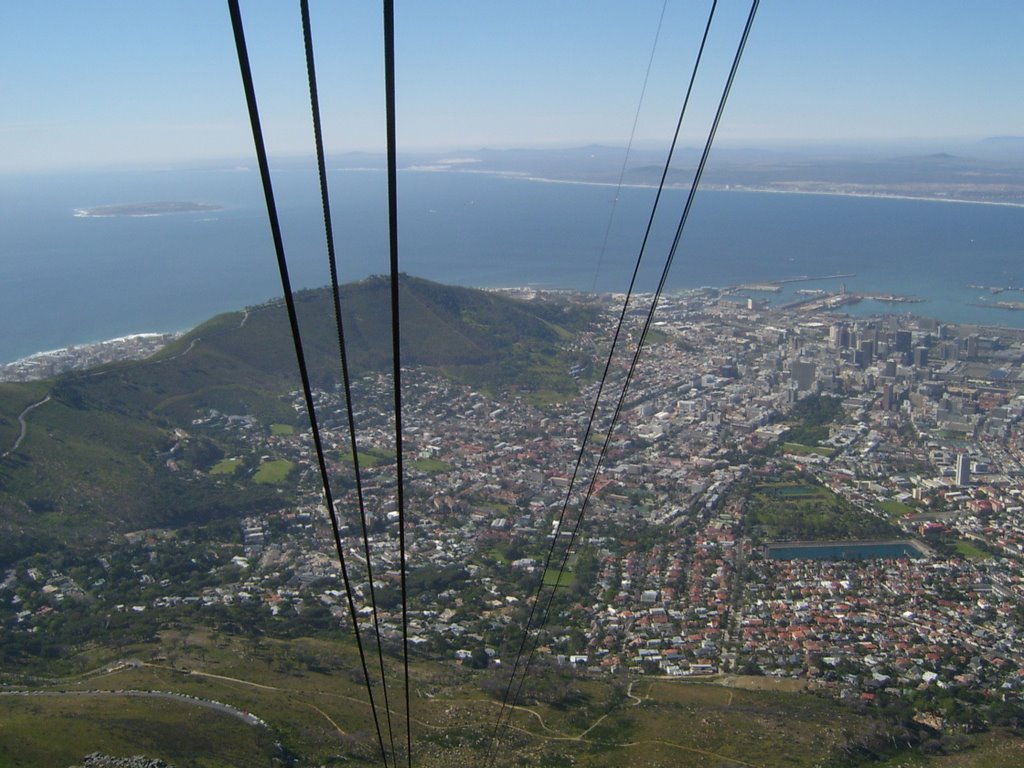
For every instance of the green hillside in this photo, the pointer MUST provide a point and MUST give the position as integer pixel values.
(313, 709)
(243, 360)
(96, 456)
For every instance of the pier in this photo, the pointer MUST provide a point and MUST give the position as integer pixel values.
(1013, 306)
(819, 303)
(808, 279)
(775, 286)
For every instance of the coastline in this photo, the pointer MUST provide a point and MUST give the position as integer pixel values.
(53, 362)
(140, 345)
(869, 195)
(461, 258)
(881, 195)
(137, 346)
(102, 342)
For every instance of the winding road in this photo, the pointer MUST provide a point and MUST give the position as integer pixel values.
(217, 706)
(22, 419)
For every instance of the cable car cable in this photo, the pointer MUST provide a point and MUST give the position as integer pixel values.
(629, 149)
(314, 103)
(664, 277)
(668, 263)
(396, 335)
(275, 228)
(508, 696)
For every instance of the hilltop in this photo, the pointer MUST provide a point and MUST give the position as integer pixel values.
(107, 453)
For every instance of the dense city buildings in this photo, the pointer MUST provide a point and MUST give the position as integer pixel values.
(884, 452)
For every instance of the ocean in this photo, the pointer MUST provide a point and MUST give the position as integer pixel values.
(67, 279)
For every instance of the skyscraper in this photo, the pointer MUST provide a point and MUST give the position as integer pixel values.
(963, 469)
(803, 374)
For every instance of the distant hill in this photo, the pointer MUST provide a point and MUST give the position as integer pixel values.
(93, 460)
(990, 170)
(234, 361)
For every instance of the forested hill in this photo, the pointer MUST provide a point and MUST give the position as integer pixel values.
(92, 461)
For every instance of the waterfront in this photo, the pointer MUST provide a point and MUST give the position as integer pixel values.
(71, 280)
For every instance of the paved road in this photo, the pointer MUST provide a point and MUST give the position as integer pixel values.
(216, 706)
(22, 419)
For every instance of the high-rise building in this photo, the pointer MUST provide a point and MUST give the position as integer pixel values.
(867, 347)
(972, 346)
(963, 469)
(887, 397)
(921, 357)
(803, 374)
(838, 336)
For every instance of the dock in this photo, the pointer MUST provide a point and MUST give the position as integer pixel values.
(775, 286)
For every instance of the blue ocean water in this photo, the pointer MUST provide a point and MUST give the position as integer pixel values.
(67, 279)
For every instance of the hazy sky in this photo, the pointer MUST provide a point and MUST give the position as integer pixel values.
(124, 82)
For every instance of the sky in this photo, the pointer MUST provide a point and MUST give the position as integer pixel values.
(123, 83)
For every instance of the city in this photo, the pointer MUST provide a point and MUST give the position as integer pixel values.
(744, 428)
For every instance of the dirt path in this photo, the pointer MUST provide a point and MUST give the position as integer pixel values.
(549, 735)
(197, 673)
(629, 692)
(327, 717)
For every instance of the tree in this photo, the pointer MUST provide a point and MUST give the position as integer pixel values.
(478, 658)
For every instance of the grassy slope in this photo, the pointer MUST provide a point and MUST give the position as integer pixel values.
(13, 399)
(61, 730)
(238, 363)
(309, 692)
(75, 473)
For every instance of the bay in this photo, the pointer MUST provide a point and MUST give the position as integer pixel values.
(67, 279)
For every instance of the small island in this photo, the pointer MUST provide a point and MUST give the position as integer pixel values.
(147, 209)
